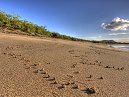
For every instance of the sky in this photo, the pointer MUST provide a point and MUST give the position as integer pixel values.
(86, 19)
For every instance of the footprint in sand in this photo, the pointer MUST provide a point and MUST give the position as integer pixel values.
(66, 83)
(70, 76)
(71, 51)
(120, 68)
(76, 72)
(4, 53)
(46, 76)
(33, 66)
(98, 62)
(12, 55)
(100, 78)
(89, 76)
(42, 71)
(52, 80)
(82, 62)
(35, 71)
(89, 90)
(60, 86)
(27, 67)
(76, 56)
(74, 86)
(71, 84)
(9, 48)
(74, 65)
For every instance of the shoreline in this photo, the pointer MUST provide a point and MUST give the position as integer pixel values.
(120, 47)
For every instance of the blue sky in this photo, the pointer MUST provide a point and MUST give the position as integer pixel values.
(87, 19)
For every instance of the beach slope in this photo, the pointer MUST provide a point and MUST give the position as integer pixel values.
(35, 67)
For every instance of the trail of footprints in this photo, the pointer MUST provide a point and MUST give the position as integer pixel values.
(85, 60)
(45, 75)
(51, 79)
(88, 62)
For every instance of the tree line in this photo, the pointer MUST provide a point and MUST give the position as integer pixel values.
(13, 22)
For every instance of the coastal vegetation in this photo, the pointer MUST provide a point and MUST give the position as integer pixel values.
(13, 22)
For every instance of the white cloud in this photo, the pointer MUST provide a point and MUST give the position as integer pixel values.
(116, 24)
(115, 34)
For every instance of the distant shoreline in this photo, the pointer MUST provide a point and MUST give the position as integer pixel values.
(120, 46)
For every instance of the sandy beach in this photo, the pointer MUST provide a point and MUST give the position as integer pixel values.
(35, 67)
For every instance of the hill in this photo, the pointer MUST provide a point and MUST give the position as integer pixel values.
(12, 22)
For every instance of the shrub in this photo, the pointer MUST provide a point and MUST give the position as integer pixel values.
(13, 22)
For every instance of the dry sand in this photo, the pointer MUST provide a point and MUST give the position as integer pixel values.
(34, 67)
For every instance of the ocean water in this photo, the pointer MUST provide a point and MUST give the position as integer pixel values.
(121, 46)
